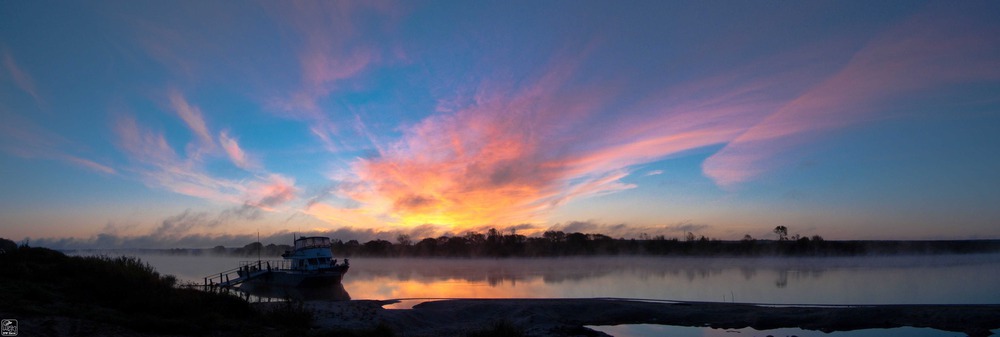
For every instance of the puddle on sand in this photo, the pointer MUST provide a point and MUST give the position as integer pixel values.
(647, 330)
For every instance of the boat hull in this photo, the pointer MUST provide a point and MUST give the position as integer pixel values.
(297, 278)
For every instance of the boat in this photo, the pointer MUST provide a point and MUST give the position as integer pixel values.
(309, 264)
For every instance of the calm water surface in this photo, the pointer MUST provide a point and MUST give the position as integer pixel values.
(647, 330)
(950, 279)
(960, 279)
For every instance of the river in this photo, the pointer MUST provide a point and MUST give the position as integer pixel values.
(925, 279)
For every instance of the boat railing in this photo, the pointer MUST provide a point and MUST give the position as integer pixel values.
(223, 278)
(313, 245)
(252, 269)
(266, 264)
(244, 271)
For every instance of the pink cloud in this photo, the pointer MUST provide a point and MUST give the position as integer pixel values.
(143, 145)
(344, 217)
(926, 52)
(272, 192)
(21, 78)
(167, 46)
(195, 120)
(512, 155)
(88, 164)
(320, 68)
(236, 154)
(159, 166)
(332, 52)
(23, 138)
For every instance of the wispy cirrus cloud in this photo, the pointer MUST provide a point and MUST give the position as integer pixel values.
(23, 138)
(86, 163)
(512, 155)
(236, 154)
(332, 51)
(195, 120)
(183, 231)
(158, 165)
(21, 78)
(927, 51)
(271, 192)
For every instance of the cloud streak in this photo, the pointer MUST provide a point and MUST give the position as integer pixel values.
(928, 51)
(25, 139)
(21, 78)
(235, 152)
(512, 155)
(195, 120)
(158, 165)
(332, 51)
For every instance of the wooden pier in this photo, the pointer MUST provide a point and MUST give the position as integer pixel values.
(245, 272)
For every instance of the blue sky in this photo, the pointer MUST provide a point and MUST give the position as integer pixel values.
(197, 122)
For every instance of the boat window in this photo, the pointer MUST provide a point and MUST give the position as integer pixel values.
(313, 261)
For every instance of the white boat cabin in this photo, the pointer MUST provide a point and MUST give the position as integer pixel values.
(311, 253)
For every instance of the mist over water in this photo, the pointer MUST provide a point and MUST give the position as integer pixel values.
(930, 279)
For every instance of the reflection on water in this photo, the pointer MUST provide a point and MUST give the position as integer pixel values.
(334, 292)
(642, 330)
(858, 280)
(868, 280)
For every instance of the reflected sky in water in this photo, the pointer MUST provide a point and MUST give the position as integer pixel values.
(858, 280)
(643, 330)
(870, 280)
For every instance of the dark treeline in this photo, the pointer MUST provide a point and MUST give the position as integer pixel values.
(494, 243)
(557, 244)
(249, 250)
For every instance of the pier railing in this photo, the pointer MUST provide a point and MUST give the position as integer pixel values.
(251, 270)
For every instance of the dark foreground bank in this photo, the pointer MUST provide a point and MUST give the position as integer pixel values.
(51, 294)
(567, 317)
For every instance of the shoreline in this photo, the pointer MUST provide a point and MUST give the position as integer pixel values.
(568, 317)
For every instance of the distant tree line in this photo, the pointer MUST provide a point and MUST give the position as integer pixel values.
(495, 243)
(249, 250)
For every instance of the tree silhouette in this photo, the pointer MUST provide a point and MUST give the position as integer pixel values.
(782, 232)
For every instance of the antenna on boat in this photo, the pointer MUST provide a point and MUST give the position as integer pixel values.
(259, 246)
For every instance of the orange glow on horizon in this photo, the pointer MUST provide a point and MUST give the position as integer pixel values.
(447, 288)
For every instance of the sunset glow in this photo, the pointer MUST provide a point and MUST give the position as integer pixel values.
(183, 123)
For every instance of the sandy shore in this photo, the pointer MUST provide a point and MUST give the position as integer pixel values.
(567, 317)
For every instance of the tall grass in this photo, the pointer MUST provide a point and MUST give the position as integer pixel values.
(119, 290)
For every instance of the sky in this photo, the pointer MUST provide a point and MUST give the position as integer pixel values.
(196, 123)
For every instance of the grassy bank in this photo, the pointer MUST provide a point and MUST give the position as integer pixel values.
(55, 294)
(40, 283)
